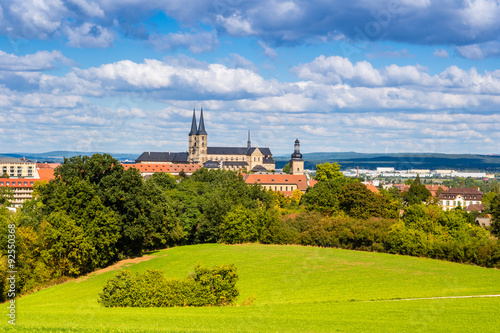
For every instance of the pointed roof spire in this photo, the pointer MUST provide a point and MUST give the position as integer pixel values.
(201, 128)
(249, 143)
(296, 153)
(193, 123)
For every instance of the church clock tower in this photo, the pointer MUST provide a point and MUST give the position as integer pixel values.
(297, 163)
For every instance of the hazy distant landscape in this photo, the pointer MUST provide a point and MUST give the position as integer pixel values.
(400, 161)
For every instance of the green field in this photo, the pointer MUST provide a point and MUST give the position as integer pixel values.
(296, 289)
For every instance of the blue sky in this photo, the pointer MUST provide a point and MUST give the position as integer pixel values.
(365, 76)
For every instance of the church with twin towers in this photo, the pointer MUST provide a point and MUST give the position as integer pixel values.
(255, 159)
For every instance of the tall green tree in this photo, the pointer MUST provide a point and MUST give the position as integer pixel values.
(417, 193)
(286, 168)
(495, 215)
(6, 196)
(328, 171)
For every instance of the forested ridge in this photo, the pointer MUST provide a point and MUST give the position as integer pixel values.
(95, 213)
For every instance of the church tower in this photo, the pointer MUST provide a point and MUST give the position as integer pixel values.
(202, 140)
(197, 140)
(297, 163)
(192, 140)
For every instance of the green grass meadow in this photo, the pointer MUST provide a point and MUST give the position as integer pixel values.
(296, 289)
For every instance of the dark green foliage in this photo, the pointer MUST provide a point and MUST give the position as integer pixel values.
(240, 225)
(286, 168)
(324, 196)
(417, 193)
(495, 214)
(164, 180)
(6, 196)
(214, 286)
(358, 201)
(93, 214)
(349, 196)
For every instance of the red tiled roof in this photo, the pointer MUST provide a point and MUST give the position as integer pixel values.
(475, 208)
(162, 167)
(466, 193)
(312, 182)
(282, 179)
(47, 165)
(403, 187)
(46, 174)
(372, 188)
(18, 182)
(434, 188)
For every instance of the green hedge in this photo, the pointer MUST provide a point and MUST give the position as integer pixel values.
(204, 287)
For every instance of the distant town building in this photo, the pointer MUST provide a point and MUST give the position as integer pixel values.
(148, 169)
(468, 174)
(372, 188)
(17, 167)
(283, 183)
(22, 188)
(444, 172)
(256, 159)
(475, 208)
(484, 221)
(460, 197)
(434, 189)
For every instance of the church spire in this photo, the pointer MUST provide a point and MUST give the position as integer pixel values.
(249, 143)
(193, 124)
(201, 129)
(296, 152)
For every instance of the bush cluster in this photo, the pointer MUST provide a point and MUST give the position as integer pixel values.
(423, 231)
(214, 286)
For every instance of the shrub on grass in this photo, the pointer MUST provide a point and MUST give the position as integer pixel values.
(214, 286)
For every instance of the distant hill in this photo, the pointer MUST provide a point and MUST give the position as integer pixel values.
(58, 156)
(400, 161)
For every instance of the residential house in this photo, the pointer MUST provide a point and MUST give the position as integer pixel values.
(460, 197)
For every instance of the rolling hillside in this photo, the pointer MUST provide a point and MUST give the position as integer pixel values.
(296, 289)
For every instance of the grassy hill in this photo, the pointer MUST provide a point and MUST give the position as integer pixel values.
(296, 289)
